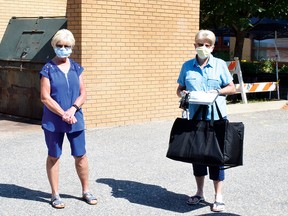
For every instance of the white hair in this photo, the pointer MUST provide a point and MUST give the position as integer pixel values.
(63, 35)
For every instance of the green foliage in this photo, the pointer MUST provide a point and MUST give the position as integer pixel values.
(237, 14)
(283, 69)
(224, 55)
(249, 68)
(267, 66)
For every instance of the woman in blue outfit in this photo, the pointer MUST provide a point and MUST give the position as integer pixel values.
(63, 94)
(206, 73)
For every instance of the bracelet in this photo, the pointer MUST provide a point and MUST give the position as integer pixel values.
(77, 108)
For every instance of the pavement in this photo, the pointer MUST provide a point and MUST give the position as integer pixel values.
(130, 174)
(12, 124)
(256, 106)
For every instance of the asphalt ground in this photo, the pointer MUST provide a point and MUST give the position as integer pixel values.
(130, 174)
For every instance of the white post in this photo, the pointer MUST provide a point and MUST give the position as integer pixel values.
(277, 60)
(240, 78)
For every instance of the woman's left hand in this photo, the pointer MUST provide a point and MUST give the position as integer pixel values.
(69, 117)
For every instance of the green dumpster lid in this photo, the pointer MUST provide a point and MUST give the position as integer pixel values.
(29, 39)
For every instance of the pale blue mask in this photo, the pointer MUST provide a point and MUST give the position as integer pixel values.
(63, 52)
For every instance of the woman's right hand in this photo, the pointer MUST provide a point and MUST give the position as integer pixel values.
(183, 93)
(69, 117)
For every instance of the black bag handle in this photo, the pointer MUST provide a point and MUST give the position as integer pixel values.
(204, 110)
(218, 111)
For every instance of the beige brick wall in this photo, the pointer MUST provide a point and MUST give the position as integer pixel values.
(29, 8)
(132, 51)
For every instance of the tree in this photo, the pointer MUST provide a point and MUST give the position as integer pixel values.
(236, 16)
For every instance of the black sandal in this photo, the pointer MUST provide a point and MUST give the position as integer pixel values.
(194, 200)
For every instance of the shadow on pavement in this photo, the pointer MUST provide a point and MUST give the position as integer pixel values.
(150, 195)
(18, 192)
(219, 214)
(19, 119)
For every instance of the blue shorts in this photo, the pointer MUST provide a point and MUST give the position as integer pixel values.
(215, 172)
(54, 142)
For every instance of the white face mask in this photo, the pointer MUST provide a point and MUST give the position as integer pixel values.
(63, 52)
(203, 52)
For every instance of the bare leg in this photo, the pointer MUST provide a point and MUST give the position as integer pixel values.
(52, 168)
(81, 164)
(200, 185)
(199, 196)
(218, 190)
(218, 205)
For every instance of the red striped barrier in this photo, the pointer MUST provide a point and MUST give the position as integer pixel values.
(257, 87)
(243, 88)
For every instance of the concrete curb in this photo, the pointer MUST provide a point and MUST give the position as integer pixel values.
(255, 107)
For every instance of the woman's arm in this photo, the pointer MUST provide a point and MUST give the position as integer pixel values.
(69, 114)
(181, 89)
(228, 90)
(82, 97)
(46, 99)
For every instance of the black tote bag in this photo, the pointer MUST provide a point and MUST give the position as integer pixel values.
(207, 142)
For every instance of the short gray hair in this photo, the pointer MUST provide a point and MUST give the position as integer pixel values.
(207, 35)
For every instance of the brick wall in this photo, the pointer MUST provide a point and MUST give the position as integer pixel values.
(29, 8)
(132, 51)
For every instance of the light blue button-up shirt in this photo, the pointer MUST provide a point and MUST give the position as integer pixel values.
(214, 75)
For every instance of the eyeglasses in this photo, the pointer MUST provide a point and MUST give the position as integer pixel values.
(205, 44)
(60, 46)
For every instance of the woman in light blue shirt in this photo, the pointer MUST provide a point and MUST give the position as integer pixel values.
(206, 73)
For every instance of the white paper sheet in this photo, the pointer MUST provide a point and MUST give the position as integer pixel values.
(201, 97)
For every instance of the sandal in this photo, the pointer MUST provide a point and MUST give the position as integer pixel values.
(218, 207)
(57, 202)
(195, 200)
(89, 198)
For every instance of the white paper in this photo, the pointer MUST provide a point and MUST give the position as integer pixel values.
(201, 97)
